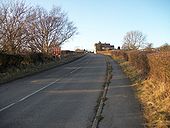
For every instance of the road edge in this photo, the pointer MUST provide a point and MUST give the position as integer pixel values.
(98, 117)
(26, 74)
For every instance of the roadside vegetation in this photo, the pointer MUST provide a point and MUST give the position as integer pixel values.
(150, 71)
(28, 38)
(17, 66)
(25, 28)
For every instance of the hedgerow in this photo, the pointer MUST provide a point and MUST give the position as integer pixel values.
(152, 69)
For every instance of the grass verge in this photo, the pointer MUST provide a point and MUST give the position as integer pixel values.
(153, 95)
(17, 73)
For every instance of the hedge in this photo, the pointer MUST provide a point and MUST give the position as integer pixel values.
(139, 60)
(9, 60)
(160, 66)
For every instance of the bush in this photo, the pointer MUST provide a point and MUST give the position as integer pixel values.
(17, 61)
(120, 54)
(154, 92)
(160, 66)
(165, 47)
(36, 58)
(8, 60)
(139, 59)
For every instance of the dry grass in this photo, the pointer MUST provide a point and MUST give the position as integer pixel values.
(15, 73)
(155, 98)
(131, 71)
(108, 52)
(140, 60)
(119, 54)
(154, 91)
(160, 66)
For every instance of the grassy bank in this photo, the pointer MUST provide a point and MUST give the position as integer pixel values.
(150, 73)
(16, 72)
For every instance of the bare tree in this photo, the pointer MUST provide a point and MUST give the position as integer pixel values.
(33, 29)
(49, 29)
(149, 46)
(12, 24)
(134, 40)
(65, 29)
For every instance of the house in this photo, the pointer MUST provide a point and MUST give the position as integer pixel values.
(103, 46)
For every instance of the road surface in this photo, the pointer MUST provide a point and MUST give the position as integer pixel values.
(121, 109)
(63, 97)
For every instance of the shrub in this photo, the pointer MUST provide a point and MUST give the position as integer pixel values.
(160, 66)
(165, 47)
(154, 92)
(17, 61)
(120, 54)
(36, 58)
(7, 60)
(140, 61)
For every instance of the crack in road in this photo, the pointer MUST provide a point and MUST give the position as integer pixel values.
(98, 117)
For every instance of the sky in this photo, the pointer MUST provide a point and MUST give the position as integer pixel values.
(109, 20)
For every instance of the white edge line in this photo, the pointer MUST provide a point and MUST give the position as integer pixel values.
(24, 98)
(75, 70)
(7, 107)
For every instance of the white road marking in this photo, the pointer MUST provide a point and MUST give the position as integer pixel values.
(8, 106)
(26, 97)
(70, 67)
(75, 70)
(37, 91)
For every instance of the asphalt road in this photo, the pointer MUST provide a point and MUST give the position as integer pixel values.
(63, 97)
(122, 108)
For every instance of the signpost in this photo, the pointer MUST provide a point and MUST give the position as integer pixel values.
(57, 52)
